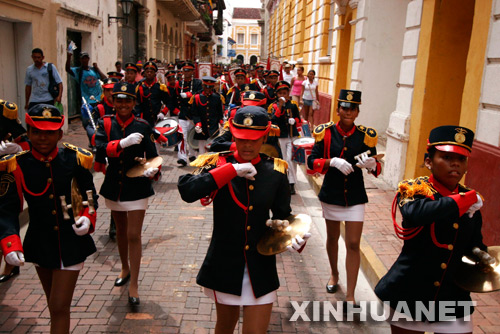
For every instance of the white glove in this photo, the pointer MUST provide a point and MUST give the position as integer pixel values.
(364, 161)
(291, 121)
(246, 170)
(198, 129)
(298, 242)
(277, 224)
(81, 226)
(7, 147)
(15, 258)
(483, 256)
(160, 116)
(150, 172)
(132, 139)
(184, 95)
(474, 207)
(342, 165)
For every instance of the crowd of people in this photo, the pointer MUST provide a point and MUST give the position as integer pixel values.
(245, 130)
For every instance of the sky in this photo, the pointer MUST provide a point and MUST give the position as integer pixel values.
(245, 3)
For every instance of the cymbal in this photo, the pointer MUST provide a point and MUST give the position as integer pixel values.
(139, 169)
(476, 278)
(275, 242)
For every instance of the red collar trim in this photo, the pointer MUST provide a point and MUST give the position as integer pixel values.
(149, 86)
(107, 102)
(126, 123)
(440, 188)
(254, 161)
(40, 157)
(343, 133)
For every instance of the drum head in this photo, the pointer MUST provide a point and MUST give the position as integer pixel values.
(190, 139)
(302, 141)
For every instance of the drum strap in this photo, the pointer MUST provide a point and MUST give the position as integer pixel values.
(327, 143)
(100, 107)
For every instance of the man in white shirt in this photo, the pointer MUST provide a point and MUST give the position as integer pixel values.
(287, 74)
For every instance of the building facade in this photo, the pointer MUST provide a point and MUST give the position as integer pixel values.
(419, 64)
(247, 34)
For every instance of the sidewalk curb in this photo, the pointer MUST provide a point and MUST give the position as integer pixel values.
(371, 264)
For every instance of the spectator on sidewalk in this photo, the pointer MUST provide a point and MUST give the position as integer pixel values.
(55, 244)
(245, 187)
(119, 69)
(296, 84)
(340, 152)
(441, 224)
(37, 81)
(120, 138)
(287, 74)
(309, 95)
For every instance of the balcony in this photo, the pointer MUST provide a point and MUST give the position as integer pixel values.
(187, 9)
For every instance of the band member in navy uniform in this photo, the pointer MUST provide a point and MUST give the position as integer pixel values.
(244, 186)
(270, 89)
(285, 114)
(233, 96)
(207, 111)
(343, 195)
(105, 107)
(150, 95)
(188, 87)
(441, 224)
(131, 70)
(57, 245)
(172, 106)
(122, 138)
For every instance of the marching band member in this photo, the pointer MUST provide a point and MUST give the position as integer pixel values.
(188, 87)
(131, 70)
(234, 94)
(285, 114)
(343, 195)
(441, 224)
(150, 95)
(58, 246)
(207, 112)
(244, 186)
(270, 89)
(122, 138)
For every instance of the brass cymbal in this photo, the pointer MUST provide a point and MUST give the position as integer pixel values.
(139, 169)
(275, 242)
(477, 278)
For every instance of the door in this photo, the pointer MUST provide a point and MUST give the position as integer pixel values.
(129, 34)
(73, 90)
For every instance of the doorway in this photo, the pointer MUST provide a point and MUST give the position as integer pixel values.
(73, 90)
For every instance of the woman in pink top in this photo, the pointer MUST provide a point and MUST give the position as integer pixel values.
(296, 84)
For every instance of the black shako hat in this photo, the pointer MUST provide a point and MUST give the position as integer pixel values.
(44, 117)
(124, 90)
(451, 138)
(250, 122)
(349, 98)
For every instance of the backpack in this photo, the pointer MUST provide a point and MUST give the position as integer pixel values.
(53, 85)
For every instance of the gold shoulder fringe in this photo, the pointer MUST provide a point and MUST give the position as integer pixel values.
(84, 157)
(191, 99)
(280, 165)
(275, 131)
(230, 90)
(205, 159)
(163, 87)
(223, 99)
(10, 110)
(270, 109)
(371, 136)
(295, 102)
(319, 131)
(411, 187)
(8, 163)
(226, 125)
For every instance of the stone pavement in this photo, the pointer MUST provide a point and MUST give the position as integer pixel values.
(175, 238)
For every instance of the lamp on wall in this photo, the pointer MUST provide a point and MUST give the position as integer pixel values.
(126, 8)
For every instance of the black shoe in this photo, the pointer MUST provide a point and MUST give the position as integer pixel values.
(181, 162)
(349, 306)
(112, 229)
(134, 301)
(5, 278)
(122, 281)
(176, 148)
(192, 159)
(292, 188)
(332, 288)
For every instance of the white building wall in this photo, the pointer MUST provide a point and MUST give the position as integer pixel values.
(398, 130)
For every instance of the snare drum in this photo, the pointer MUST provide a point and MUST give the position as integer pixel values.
(169, 128)
(301, 149)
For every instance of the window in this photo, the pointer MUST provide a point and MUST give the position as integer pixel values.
(241, 38)
(254, 38)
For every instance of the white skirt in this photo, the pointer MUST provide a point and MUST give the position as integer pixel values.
(247, 297)
(75, 267)
(354, 213)
(457, 326)
(140, 204)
